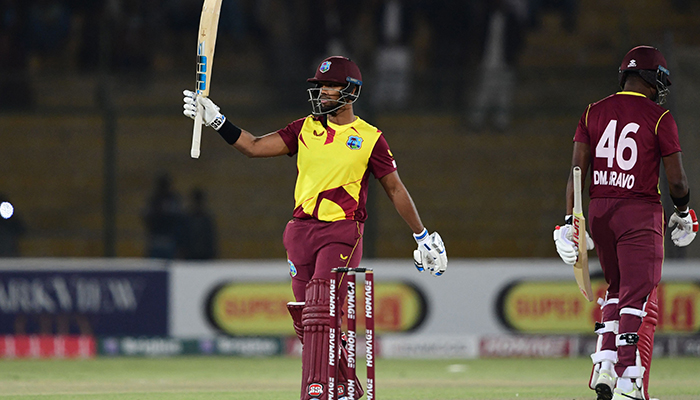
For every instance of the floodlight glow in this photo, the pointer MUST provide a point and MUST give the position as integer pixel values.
(6, 210)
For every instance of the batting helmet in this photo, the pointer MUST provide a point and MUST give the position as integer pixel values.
(339, 70)
(650, 64)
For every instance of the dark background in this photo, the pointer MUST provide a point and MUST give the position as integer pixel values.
(90, 114)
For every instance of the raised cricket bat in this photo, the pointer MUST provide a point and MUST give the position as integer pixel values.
(208, 25)
(583, 277)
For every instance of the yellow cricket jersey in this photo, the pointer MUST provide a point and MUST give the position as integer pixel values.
(333, 166)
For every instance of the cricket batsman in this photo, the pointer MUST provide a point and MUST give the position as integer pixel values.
(622, 139)
(337, 152)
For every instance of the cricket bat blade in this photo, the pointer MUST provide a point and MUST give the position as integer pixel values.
(581, 272)
(206, 42)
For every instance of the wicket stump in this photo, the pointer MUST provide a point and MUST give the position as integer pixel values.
(335, 328)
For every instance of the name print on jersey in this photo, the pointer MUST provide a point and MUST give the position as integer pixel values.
(619, 179)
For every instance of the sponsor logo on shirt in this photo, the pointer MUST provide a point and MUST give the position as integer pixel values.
(354, 143)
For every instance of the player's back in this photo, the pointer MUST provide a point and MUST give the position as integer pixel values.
(628, 134)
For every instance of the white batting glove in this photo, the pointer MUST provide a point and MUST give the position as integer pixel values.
(563, 239)
(565, 247)
(685, 227)
(193, 103)
(430, 254)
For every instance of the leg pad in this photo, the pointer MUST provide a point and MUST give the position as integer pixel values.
(295, 310)
(314, 356)
(603, 376)
(645, 346)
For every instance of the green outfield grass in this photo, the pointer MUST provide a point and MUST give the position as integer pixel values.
(205, 378)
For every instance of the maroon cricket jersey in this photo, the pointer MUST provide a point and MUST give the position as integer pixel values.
(628, 134)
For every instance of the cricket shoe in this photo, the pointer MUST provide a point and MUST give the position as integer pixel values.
(634, 394)
(604, 385)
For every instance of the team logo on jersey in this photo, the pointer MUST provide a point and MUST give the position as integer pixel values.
(325, 66)
(354, 143)
(632, 64)
(292, 268)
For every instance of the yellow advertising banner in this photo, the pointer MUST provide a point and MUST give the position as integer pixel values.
(252, 309)
(556, 307)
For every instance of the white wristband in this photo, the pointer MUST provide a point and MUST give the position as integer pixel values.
(421, 236)
(218, 122)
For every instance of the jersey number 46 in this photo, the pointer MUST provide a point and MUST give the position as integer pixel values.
(606, 146)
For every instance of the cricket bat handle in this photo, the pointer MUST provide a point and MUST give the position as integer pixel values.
(196, 135)
(578, 202)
